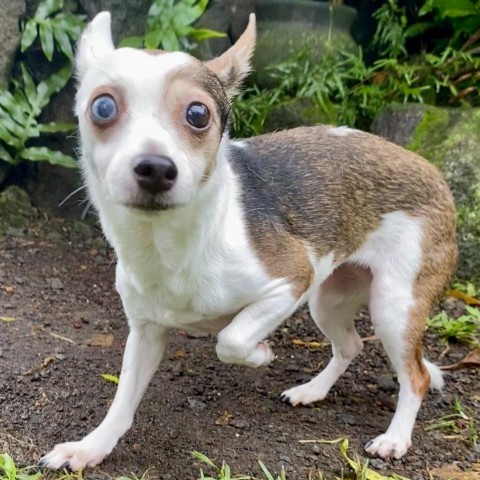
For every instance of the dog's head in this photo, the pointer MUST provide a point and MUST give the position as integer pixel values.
(151, 122)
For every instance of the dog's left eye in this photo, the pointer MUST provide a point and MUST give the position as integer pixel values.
(103, 109)
(198, 115)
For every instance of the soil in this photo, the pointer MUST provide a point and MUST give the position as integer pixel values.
(56, 282)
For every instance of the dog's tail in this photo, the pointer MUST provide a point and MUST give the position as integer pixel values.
(436, 375)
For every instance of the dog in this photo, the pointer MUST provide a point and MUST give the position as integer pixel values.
(230, 237)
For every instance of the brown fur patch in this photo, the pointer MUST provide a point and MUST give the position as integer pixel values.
(154, 51)
(439, 258)
(189, 85)
(308, 186)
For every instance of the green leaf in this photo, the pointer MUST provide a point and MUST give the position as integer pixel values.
(132, 42)
(44, 154)
(204, 33)
(154, 38)
(28, 84)
(63, 41)
(8, 138)
(110, 378)
(5, 155)
(29, 34)
(54, 127)
(11, 106)
(22, 132)
(72, 24)
(8, 466)
(204, 459)
(46, 88)
(170, 41)
(417, 29)
(46, 39)
(454, 8)
(47, 7)
(184, 15)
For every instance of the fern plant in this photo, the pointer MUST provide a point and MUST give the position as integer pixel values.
(22, 105)
(54, 27)
(169, 26)
(19, 119)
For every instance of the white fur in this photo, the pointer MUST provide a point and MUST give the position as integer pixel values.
(343, 131)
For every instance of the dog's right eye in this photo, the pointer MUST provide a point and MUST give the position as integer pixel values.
(103, 109)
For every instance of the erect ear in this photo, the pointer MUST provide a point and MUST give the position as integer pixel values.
(95, 42)
(234, 65)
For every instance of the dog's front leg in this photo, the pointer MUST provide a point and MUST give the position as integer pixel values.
(242, 341)
(143, 352)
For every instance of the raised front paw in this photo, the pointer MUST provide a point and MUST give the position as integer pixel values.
(261, 355)
(388, 446)
(73, 456)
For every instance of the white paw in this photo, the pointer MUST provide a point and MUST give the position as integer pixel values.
(261, 355)
(303, 394)
(388, 446)
(73, 456)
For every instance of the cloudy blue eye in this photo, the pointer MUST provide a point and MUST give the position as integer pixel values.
(103, 109)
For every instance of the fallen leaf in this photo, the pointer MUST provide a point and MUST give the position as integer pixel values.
(301, 343)
(463, 296)
(100, 340)
(472, 360)
(452, 472)
(10, 289)
(7, 319)
(55, 335)
(40, 366)
(110, 378)
(223, 419)
(325, 442)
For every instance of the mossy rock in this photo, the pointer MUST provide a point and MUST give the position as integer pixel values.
(295, 113)
(16, 210)
(450, 139)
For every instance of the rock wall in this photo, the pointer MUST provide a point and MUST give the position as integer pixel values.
(10, 12)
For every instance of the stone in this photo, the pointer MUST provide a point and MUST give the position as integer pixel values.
(9, 35)
(294, 113)
(450, 139)
(128, 16)
(16, 209)
(226, 16)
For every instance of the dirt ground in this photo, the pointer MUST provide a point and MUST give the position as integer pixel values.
(56, 282)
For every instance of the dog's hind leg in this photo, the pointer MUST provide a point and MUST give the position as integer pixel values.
(143, 352)
(405, 284)
(333, 308)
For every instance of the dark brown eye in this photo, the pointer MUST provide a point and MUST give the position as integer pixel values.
(198, 115)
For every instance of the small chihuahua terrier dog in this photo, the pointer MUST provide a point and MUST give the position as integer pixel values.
(230, 237)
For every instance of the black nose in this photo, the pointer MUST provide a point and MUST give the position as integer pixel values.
(155, 173)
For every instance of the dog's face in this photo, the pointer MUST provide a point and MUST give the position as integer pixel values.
(151, 122)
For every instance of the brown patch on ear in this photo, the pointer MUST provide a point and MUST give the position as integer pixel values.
(234, 65)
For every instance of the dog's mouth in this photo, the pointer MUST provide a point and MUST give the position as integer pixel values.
(150, 204)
